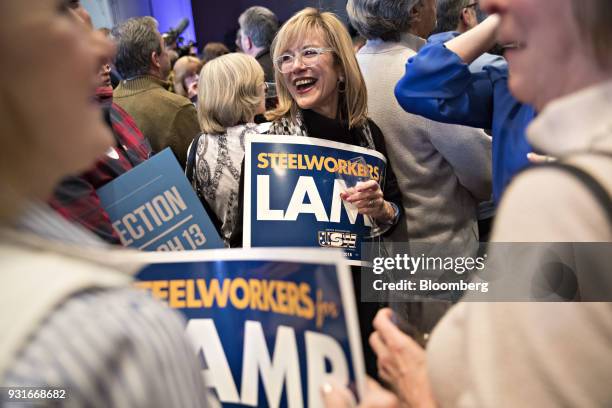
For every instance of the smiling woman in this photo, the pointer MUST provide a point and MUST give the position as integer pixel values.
(334, 67)
(322, 94)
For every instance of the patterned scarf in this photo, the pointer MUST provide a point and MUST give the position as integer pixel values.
(285, 126)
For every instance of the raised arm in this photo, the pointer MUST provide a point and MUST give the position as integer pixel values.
(438, 83)
(475, 42)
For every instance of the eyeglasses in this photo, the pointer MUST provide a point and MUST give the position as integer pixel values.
(309, 57)
(474, 4)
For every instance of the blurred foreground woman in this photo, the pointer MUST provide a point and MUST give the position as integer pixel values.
(534, 354)
(67, 316)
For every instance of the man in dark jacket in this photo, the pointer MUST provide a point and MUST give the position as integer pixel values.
(258, 26)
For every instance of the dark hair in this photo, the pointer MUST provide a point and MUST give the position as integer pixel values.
(449, 14)
(213, 50)
(259, 24)
(137, 39)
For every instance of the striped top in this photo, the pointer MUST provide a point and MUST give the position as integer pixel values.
(106, 347)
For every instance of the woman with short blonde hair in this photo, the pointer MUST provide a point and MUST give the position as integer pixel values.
(231, 91)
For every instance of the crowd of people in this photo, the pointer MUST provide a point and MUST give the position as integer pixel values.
(524, 139)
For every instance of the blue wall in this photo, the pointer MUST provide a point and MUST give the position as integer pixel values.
(100, 11)
(170, 13)
(124, 9)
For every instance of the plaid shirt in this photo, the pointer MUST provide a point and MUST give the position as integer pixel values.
(75, 197)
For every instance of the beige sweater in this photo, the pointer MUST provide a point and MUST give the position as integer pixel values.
(540, 354)
(443, 171)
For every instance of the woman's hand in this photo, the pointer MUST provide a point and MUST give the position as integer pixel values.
(401, 362)
(369, 200)
(374, 396)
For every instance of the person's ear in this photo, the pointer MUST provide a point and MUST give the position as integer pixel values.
(415, 13)
(155, 60)
(247, 44)
(468, 18)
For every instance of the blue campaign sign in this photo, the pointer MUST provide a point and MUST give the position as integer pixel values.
(269, 326)
(292, 191)
(154, 208)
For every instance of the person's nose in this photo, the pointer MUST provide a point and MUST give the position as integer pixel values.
(298, 64)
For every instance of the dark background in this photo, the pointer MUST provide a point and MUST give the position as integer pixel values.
(212, 20)
(218, 20)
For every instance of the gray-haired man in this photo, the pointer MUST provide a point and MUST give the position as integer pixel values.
(166, 119)
(258, 26)
(458, 15)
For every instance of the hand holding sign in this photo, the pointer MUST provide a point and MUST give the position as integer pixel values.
(402, 363)
(365, 194)
(368, 198)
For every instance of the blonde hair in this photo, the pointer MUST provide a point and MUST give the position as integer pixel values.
(352, 102)
(183, 67)
(229, 92)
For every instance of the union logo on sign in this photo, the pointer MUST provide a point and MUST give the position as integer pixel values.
(334, 239)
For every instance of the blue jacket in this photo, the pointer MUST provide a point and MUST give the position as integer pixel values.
(440, 86)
